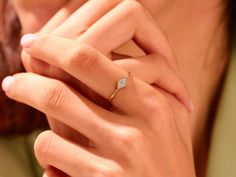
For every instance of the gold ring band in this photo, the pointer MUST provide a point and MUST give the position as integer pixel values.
(121, 84)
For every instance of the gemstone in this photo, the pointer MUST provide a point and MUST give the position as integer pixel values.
(121, 83)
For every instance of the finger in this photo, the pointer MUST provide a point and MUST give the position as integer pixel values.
(90, 67)
(67, 132)
(153, 70)
(67, 25)
(62, 15)
(159, 45)
(42, 68)
(75, 159)
(73, 24)
(129, 20)
(63, 25)
(81, 20)
(57, 100)
(32, 64)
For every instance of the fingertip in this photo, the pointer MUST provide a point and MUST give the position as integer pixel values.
(7, 82)
(27, 40)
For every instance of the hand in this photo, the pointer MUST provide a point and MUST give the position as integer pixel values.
(160, 112)
(73, 20)
(129, 141)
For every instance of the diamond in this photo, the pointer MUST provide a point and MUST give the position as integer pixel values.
(121, 83)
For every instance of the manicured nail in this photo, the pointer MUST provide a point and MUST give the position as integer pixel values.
(6, 83)
(27, 40)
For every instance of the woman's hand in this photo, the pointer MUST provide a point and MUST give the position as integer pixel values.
(143, 124)
(73, 20)
(144, 135)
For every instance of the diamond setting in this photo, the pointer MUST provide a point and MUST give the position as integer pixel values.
(122, 83)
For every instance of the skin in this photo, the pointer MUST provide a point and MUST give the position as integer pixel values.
(193, 64)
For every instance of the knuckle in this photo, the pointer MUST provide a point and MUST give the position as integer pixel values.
(157, 111)
(82, 57)
(54, 96)
(44, 38)
(128, 138)
(43, 144)
(132, 7)
(107, 171)
(155, 103)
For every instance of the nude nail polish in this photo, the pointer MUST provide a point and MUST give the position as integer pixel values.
(7, 82)
(27, 40)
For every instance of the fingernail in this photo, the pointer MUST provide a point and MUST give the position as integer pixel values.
(27, 40)
(6, 83)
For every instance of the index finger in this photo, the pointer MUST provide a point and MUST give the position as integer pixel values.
(61, 15)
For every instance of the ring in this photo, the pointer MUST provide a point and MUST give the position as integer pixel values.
(121, 84)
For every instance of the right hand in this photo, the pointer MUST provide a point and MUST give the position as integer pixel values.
(73, 20)
(146, 123)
